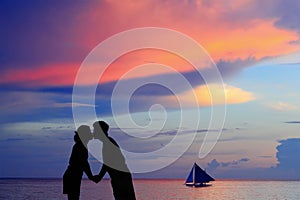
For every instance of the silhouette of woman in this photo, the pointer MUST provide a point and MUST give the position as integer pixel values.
(78, 163)
(114, 163)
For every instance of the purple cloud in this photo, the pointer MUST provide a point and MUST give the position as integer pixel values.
(288, 14)
(214, 164)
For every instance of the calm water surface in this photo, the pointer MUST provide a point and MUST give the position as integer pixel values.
(14, 189)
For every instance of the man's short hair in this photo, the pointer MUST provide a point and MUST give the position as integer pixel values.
(103, 125)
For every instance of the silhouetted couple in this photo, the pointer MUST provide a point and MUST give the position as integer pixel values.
(113, 162)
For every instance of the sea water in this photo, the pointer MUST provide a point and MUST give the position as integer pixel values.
(14, 189)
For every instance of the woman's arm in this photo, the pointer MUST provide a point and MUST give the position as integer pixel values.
(101, 173)
(87, 170)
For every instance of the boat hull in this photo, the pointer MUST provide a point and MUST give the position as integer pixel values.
(198, 185)
(202, 185)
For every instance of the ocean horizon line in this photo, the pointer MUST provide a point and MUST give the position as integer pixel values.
(150, 179)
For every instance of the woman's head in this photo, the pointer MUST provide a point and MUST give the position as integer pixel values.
(100, 129)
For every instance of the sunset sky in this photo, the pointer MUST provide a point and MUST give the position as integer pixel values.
(254, 44)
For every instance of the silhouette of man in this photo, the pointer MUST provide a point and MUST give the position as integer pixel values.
(114, 164)
(78, 163)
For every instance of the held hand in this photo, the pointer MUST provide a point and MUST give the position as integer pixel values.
(95, 179)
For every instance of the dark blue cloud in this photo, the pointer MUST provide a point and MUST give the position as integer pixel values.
(292, 122)
(36, 115)
(27, 106)
(34, 33)
(213, 165)
(263, 156)
(288, 154)
(244, 160)
(231, 68)
(15, 139)
(23, 87)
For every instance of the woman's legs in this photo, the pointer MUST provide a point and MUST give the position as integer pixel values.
(73, 197)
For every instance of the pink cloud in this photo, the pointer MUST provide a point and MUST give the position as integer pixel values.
(227, 30)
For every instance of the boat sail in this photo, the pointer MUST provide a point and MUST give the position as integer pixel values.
(198, 177)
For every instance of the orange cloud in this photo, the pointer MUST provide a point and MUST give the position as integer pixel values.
(261, 39)
(212, 94)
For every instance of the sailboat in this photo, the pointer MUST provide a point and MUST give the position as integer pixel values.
(198, 177)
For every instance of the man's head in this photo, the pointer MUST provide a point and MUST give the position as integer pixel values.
(100, 129)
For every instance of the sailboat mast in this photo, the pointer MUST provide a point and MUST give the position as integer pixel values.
(194, 174)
